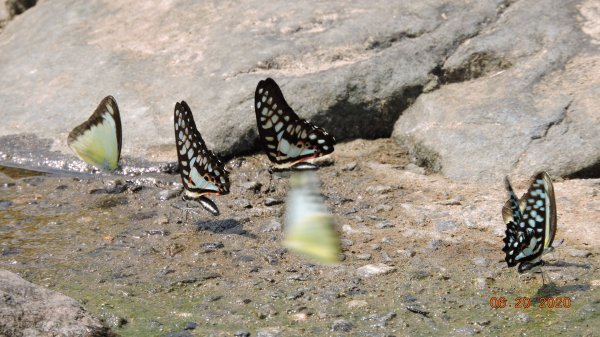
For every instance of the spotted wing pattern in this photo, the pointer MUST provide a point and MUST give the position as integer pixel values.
(201, 171)
(530, 223)
(97, 141)
(286, 137)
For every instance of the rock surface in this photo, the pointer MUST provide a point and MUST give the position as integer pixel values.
(30, 310)
(520, 96)
(475, 90)
(352, 69)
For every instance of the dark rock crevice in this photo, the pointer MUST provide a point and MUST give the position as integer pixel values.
(373, 119)
(384, 42)
(12, 9)
(16, 7)
(479, 63)
(590, 172)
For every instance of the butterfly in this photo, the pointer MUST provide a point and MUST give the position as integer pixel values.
(530, 223)
(97, 141)
(309, 227)
(202, 172)
(285, 137)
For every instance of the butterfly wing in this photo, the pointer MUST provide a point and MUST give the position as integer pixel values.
(531, 224)
(544, 190)
(515, 238)
(285, 137)
(309, 227)
(98, 140)
(201, 171)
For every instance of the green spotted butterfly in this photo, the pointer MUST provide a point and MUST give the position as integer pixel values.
(202, 173)
(285, 137)
(530, 223)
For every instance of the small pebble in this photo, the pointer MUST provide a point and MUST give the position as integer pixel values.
(379, 189)
(523, 317)
(374, 270)
(434, 244)
(272, 201)
(295, 295)
(365, 256)
(155, 325)
(347, 229)
(406, 252)
(269, 332)
(162, 220)
(190, 326)
(211, 246)
(244, 203)
(341, 325)
(164, 271)
(446, 226)
(5, 204)
(384, 224)
(414, 169)
(455, 201)
(241, 333)
(483, 323)
(168, 194)
(387, 240)
(386, 257)
(253, 186)
(466, 331)
(272, 226)
(350, 166)
(480, 261)
(160, 232)
(112, 320)
(382, 320)
(579, 253)
(383, 208)
(357, 304)
(346, 242)
(213, 298)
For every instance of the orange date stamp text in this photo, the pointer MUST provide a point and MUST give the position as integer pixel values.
(526, 302)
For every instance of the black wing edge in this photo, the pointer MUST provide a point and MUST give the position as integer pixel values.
(96, 118)
(270, 85)
(224, 188)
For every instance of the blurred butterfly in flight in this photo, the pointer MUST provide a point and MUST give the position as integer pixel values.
(287, 139)
(309, 227)
(202, 172)
(530, 223)
(98, 140)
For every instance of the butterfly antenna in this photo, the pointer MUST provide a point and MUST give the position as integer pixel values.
(185, 211)
(543, 278)
(270, 180)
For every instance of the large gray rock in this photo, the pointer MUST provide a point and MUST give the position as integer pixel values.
(521, 96)
(30, 310)
(351, 67)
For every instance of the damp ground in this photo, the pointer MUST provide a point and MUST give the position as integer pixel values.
(124, 248)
